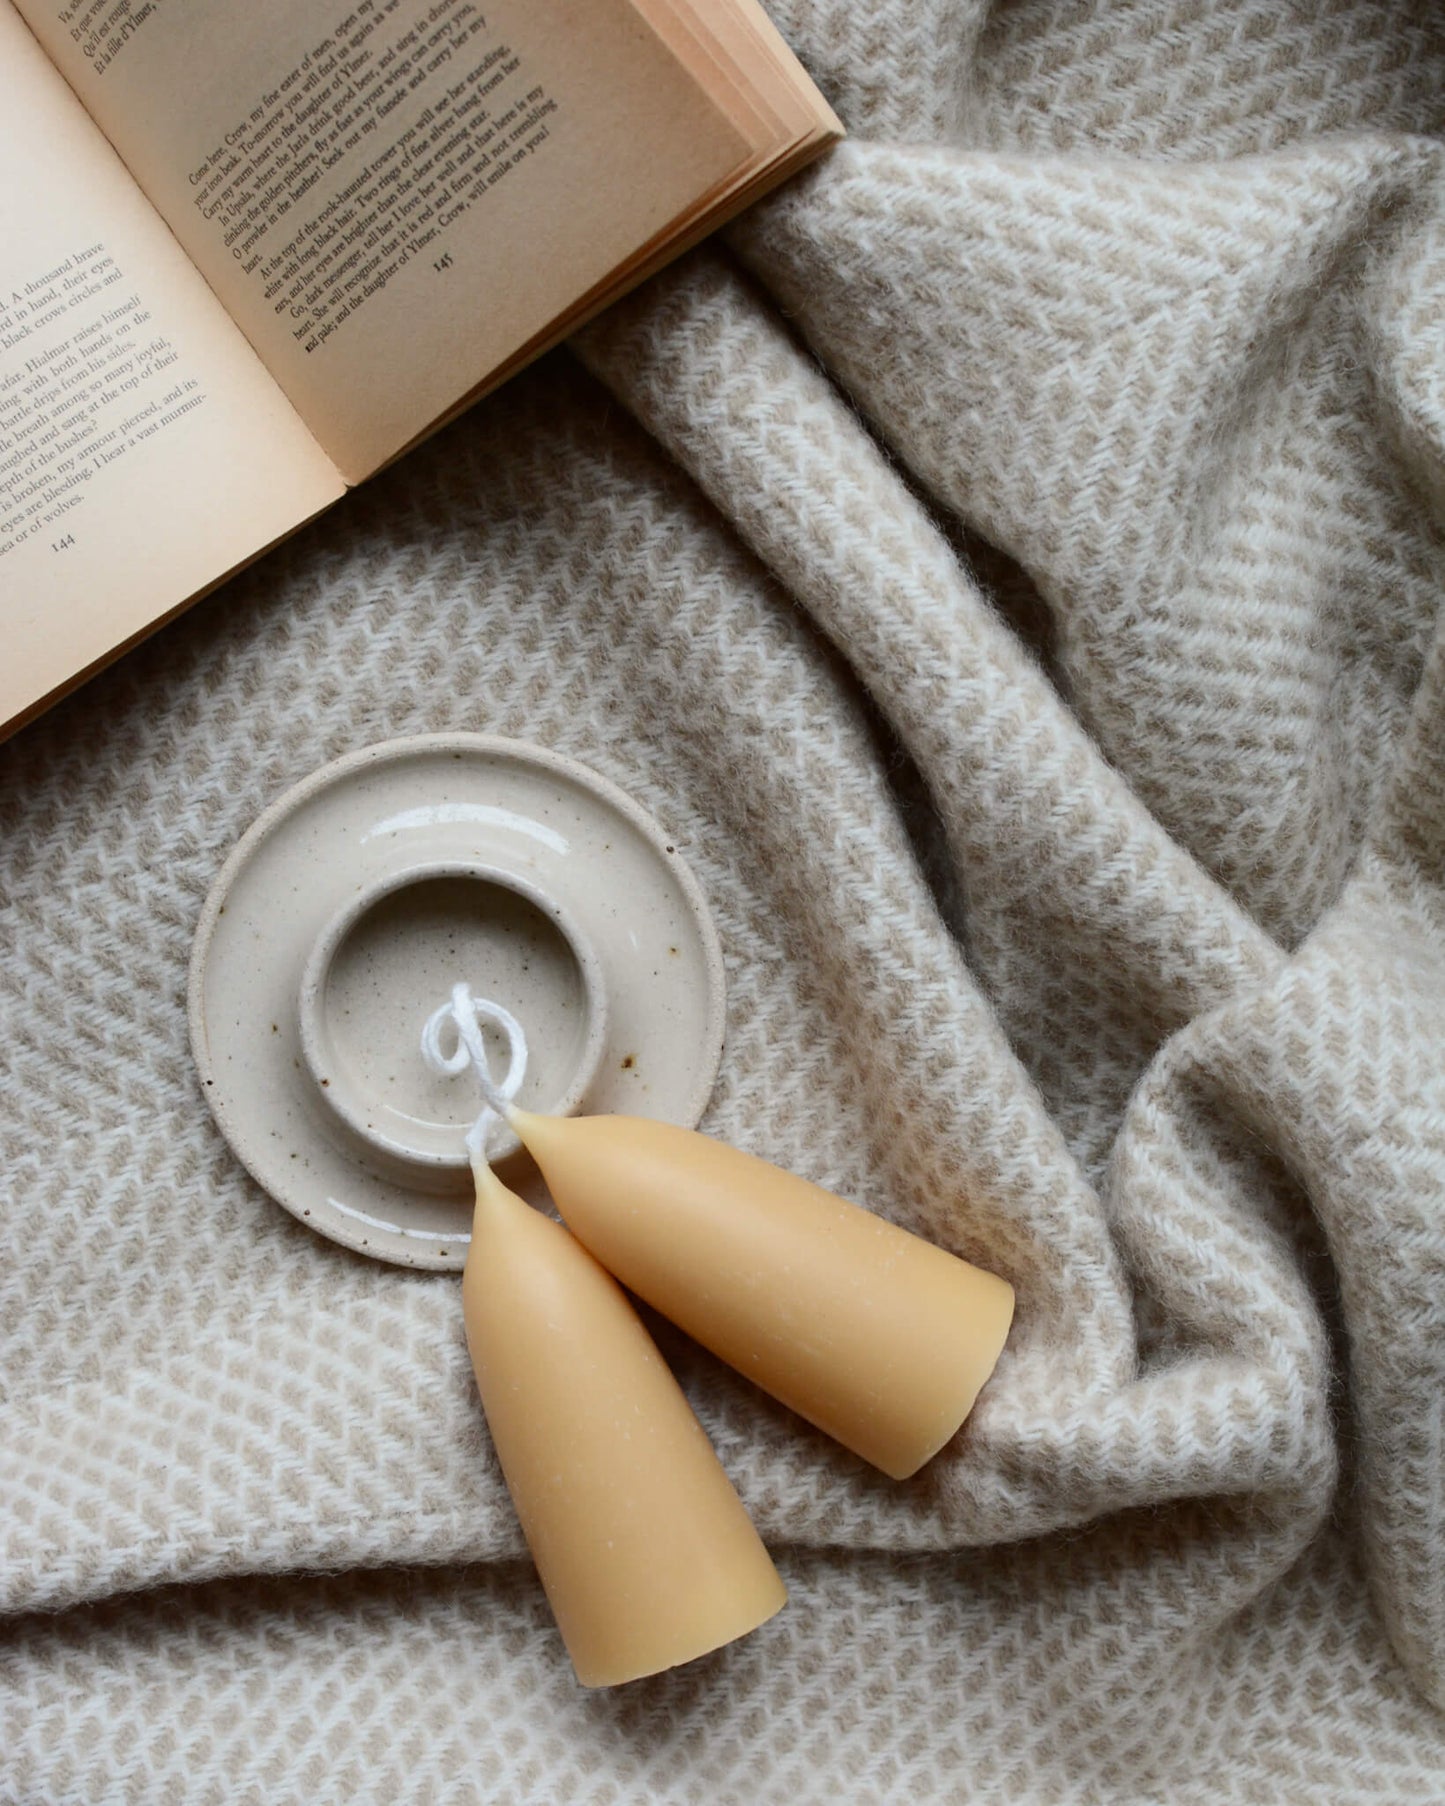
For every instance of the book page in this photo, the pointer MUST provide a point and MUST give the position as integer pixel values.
(144, 451)
(392, 197)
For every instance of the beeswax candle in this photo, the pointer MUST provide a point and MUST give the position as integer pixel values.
(876, 1336)
(645, 1551)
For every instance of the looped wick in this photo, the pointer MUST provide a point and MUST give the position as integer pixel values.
(465, 1014)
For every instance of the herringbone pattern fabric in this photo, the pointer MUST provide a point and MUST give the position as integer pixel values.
(1011, 562)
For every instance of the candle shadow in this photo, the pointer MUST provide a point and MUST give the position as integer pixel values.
(730, 1403)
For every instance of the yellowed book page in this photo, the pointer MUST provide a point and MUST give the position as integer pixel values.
(144, 451)
(392, 196)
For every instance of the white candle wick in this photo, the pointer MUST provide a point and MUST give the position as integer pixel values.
(465, 1013)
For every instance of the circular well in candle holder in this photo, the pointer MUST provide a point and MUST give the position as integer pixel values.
(384, 962)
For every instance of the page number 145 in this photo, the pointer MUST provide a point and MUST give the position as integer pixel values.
(444, 262)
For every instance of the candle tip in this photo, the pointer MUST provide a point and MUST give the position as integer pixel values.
(487, 1183)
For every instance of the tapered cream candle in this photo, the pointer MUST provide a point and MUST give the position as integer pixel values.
(645, 1551)
(874, 1335)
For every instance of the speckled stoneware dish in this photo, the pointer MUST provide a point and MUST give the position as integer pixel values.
(344, 916)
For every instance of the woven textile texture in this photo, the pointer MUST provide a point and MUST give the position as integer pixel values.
(1011, 562)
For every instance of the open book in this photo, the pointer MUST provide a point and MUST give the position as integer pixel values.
(251, 253)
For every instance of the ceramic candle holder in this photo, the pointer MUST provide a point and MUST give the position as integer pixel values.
(478, 850)
(382, 963)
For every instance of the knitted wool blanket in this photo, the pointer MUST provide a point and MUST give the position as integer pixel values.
(1011, 563)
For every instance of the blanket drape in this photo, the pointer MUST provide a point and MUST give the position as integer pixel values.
(1011, 562)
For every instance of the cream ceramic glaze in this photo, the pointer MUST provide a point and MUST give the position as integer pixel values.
(406, 938)
(421, 863)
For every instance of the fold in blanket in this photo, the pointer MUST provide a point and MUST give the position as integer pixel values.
(1011, 564)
